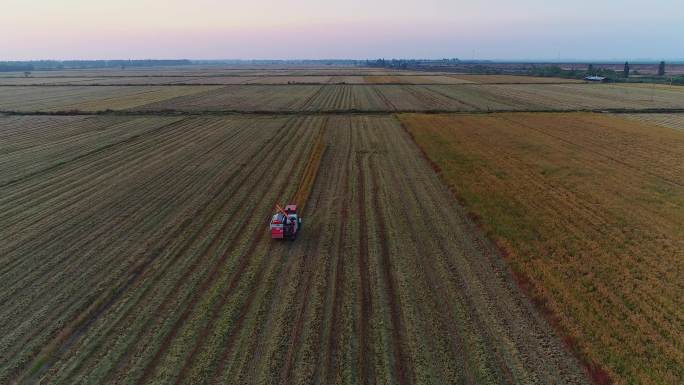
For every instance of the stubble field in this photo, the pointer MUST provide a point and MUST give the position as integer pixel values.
(135, 244)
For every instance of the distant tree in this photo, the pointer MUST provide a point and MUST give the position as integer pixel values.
(27, 74)
(626, 70)
(590, 69)
(661, 69)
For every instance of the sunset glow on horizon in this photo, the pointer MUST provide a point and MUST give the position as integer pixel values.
(356, 29)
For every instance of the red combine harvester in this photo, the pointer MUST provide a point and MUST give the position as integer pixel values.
(285, 224)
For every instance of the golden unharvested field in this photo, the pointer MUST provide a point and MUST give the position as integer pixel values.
(590, 210)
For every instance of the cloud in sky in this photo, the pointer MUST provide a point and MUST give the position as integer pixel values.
(492, 29)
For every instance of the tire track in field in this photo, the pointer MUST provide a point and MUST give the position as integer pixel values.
(457, 100)
(149, 368)
(303, 299)
(308, 101)
(339, 281)
(365, 350)
(404, 369)
(427, 96)
(243, 263)
(384, 99)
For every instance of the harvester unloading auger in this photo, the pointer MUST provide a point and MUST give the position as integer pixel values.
(285, 223)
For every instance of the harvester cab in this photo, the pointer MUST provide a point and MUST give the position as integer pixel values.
(285, 223)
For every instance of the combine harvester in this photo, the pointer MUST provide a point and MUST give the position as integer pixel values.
(285, 224)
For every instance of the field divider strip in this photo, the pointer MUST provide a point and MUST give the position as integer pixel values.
(179, 84)
(324, 112)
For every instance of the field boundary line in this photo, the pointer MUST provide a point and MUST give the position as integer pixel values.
(323, 112)
(299, 84)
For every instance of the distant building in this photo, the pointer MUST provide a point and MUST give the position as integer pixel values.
(595, 78)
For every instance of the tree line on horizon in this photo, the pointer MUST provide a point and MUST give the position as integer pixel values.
(50, 65)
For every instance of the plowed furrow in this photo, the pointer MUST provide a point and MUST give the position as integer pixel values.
(365, 349)
(334, 328)
(402, 367)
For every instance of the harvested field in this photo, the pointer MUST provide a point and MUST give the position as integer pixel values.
(240, 98)
(23, 81)
(419, 98)
(666, 120)
(97, 81)
(590, 210)
(579, 96)
(293, 80)
(281, 97)
(423, 79)
(222, 80)
(68, 98)
(512, 79)
(147, 260)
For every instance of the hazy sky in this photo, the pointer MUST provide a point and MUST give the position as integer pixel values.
(213, 29)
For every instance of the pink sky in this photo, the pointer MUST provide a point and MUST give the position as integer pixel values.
(213, 29)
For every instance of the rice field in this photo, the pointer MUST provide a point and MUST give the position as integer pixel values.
(456, 228)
